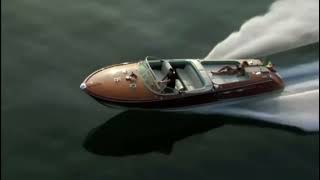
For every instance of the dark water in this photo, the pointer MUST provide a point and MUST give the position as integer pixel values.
(49, 47)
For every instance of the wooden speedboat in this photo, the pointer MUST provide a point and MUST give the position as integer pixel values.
(198, 82)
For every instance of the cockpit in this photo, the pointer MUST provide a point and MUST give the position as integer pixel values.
(189, 79)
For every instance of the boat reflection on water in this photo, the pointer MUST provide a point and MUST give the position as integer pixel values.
(139, 132)
(136, 132)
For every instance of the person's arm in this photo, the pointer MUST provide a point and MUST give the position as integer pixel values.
(165, 77)
(165, 81)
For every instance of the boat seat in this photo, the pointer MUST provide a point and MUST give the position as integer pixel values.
(189, 77)
(160, 74)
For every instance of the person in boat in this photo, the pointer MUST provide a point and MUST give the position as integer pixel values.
(170, 79)
(270, 66)
(228, 70)
(242, 70)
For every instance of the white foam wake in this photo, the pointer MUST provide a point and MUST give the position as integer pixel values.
(288, 24)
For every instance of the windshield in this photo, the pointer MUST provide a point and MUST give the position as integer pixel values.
(148, 76)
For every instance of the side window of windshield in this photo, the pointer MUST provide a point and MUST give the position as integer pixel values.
(147, 77)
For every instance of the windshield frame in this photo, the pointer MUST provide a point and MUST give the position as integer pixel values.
(151, 82)
(148, 76)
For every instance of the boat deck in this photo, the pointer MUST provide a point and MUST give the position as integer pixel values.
(224, 78)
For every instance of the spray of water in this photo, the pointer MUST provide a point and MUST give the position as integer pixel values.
(288, 24)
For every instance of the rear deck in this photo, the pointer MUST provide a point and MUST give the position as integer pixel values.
(215, 66)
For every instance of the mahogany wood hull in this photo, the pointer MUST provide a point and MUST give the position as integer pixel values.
(117, 94)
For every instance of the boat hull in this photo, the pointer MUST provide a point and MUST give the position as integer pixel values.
(195, 100)
(111, 87)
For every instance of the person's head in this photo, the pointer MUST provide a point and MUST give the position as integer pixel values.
(269, 65)
(244, 64)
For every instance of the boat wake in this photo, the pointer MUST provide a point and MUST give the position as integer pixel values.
(288, 24)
